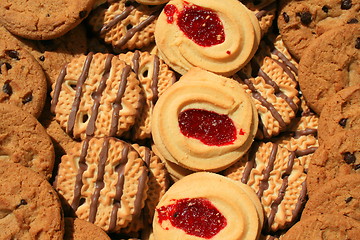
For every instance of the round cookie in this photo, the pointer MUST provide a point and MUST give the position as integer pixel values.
(30, 208)
(340, 113)
(207, 34)
(104, 180)
(43, 20)
(327, 226)
(22, 79)
(77, 229)
(207, 205)
(338, 196)
(96, 95)
(300, 22)
(330, 64)
(24, 140)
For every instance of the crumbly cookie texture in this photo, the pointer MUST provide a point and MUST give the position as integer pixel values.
(76, 228)
(204, 95)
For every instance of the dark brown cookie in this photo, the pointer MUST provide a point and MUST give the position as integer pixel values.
(29, 206)
(77, 229)
(24, 140)
(330, 64)
(301, 21)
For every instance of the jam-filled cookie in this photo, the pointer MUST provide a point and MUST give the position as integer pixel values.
(208, 206)
(96, 95)
(204, 121)
(217, 36)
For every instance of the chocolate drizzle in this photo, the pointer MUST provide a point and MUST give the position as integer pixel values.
(155, 79)
(308, 131)
(262, 12)
(57, 89)
(250, 164)
(264, 183)
(135, 60)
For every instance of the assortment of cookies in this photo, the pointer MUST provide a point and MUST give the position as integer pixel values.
(174, 119)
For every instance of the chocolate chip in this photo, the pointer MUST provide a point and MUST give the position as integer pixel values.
(346, 4)
(348, 199)
(342, 122)
(305, 17)
(357, 43)
(7, 66)
(349, 158)
(357, 167)
(286, 17)
(82, 14)
(27, 98)
(353, 20)
(42, 58)
(7, 88)
(13, 54)
(22, 202)
(325, 9)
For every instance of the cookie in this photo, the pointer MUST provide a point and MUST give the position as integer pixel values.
(271, 79)
(43, 20)
(155, 77)
(327, 226)
(300, 22)
(78, 229)
(227, 117)
(335, 157)
(340, 113)
(340, 195)
(206, 35)
(24, 140)
(22, 79)
(321, 75)
(125, 24)
(104, 180)
(278, 179)
(152, 2)
(207, 205)
(30, 208)
(96, 95)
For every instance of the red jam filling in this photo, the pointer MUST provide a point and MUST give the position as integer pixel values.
(195, 216)
(201, 25)
(209, 127)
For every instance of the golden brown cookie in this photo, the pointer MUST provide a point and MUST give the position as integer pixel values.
(104, 180)
(204, 121)
(77, 229)
(207, 205)
(321, 74)
(152, 2)
(29, 206)
(96, 95)
(24, 140)
(207, 34)
(43, 20)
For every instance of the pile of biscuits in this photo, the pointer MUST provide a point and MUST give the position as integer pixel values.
(173, 119)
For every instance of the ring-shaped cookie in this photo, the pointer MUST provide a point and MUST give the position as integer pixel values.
(240, 39)
(203, 90)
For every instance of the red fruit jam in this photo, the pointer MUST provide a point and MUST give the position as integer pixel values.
(199, 24)
(209, 127)
(195, 216)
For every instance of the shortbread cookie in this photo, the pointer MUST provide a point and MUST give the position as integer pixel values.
(207, 34)
(204, 121)
(30, 208)
(125, 24)
(335, 157)
(278, 179)
(338, 196)
(271, 79)
(207, 205)
(96, 95)
(24, 140)
(105, 182)
(327, 226)
(300, 22)
(341, 113)
(22, 79)
(43, 20)
(77, 229)
(321, 74)
(155, 77)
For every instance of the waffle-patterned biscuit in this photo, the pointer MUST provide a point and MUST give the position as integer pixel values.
(271, 79)
(105, 182)
(155, 77)
(96, 95)
(125, 24)
(278, 179)
(78, 229)
(204, 121)
(24, 140)
(29, 206)
(206, 34)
